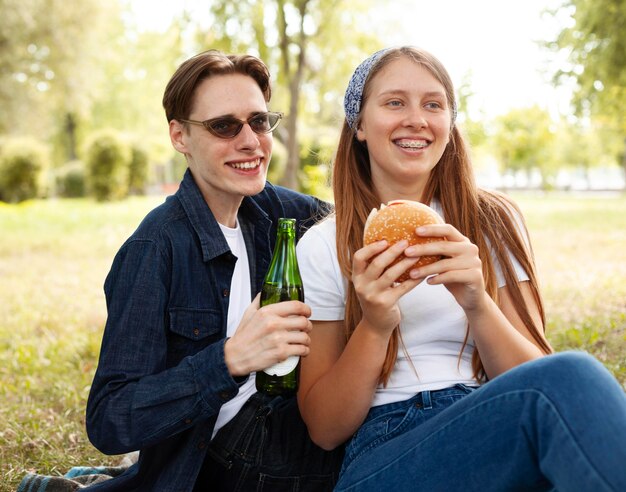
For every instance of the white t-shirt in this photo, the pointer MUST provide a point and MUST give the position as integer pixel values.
(433, 325)
(240, 299)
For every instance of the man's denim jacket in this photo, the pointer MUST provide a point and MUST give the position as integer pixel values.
(161, 378)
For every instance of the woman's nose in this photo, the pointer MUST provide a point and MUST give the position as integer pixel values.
(415, 117)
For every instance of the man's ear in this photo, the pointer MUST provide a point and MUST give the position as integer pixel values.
(178, 136)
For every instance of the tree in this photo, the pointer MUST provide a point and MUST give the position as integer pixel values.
(306, 45)
(596, 64)
(135, 69)
(524, 141)
(49, 63)
(18, 60)
(40, 39)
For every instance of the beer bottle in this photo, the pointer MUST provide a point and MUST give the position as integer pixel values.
(282, 283)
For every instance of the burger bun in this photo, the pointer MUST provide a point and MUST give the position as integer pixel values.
(397, 221)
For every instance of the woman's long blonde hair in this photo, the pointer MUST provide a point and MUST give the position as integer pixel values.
(486, 218)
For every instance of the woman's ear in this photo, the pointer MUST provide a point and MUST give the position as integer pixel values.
(360, 134)
(178, 136)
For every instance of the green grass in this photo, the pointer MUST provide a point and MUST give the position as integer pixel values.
(54, 256)
(580, 249)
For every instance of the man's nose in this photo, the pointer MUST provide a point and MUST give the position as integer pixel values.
(247, 138)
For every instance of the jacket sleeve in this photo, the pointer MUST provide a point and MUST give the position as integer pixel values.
(137, 397)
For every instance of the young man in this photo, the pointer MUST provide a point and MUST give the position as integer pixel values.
(185, 333)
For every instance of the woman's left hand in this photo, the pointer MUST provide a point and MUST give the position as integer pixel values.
(460, 268)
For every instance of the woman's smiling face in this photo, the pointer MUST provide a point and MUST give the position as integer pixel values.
(405, 123)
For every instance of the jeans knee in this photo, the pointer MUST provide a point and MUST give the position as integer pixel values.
(573, 358)
(573, 369)
(575, 361)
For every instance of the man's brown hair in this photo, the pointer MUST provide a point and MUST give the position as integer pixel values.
(180, 90)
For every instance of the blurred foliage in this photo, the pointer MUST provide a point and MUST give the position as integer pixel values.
(50, 65)
(107, 159)
(70, 180)
(595, 47)
(317, 147)
(23, 164)
(315, 180)
(62, 79)
(524, 141)
(138, 168)
(473, 128)
(278, 162)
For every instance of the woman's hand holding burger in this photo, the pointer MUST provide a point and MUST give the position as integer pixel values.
(380, 269)
(459, 269)
(375, 270)
(433, 250)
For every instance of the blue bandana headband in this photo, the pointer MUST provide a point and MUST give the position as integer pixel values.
(354, 93)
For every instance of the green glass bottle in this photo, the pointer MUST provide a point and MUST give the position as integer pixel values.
(282, 283)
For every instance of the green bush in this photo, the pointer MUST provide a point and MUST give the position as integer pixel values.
(138, 170)
(23, 163)
(70, 180)
(107, 160)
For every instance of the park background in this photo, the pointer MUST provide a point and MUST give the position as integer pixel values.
(84, 154)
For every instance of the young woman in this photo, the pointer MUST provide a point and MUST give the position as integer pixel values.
(444, 381)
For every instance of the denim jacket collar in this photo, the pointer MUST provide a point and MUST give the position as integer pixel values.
(204, 223)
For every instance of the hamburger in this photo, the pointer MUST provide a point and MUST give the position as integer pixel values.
(397, 221)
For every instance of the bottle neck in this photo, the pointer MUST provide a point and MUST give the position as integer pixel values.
(284, 264)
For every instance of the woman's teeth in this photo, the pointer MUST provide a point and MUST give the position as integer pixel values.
(412, 144)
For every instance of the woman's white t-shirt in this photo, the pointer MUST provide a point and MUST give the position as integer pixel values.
(433, 325)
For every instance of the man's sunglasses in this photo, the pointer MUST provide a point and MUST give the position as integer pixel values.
(229, 127)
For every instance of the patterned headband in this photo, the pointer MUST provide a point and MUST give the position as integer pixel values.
(354, 93)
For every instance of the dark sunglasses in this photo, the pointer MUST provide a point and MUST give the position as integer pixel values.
(229, 127)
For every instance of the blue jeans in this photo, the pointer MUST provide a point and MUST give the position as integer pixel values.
(266, 447)
(554, 423)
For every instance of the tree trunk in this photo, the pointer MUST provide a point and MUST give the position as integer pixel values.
(70, 134)
(290, 178)
(624, 163)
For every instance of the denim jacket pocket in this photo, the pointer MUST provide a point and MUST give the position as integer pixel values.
(191, 330)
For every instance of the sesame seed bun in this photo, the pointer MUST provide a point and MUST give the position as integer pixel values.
(397, 221)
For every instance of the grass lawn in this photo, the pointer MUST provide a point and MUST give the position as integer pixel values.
(580, 249)
(54, 256)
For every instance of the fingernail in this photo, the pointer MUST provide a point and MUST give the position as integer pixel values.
(420, 230)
